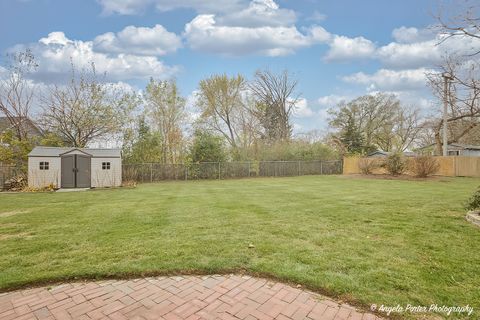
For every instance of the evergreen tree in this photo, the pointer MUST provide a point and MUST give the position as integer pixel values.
(207, 147)
(352, 138)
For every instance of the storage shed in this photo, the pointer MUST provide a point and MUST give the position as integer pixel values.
(74, 167)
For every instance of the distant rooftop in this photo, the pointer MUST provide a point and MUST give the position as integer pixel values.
(456, 146)
(56, 152)
(385, 153)
(5, 125)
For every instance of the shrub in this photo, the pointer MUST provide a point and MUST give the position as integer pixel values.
(129, 184)
(474, 202)
(395, 164)
(424, 165)
(48, 188)
(367, 165)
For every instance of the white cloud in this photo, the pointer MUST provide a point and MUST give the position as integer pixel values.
(302, 109)
(423, 49)
(391, 80)
(331, 100)
(191, 106)
(123, 87)
(323, 117)
(132, 7)
(410, 55)
(203, 34)
(317, 16)
(411, 35)
(232, 27)
(124, 6)
(344, 48)
(55, 54)
(3, 72)
(414, 98)
(259, 13)
(413, 48)
(297, 128)
(155, 41)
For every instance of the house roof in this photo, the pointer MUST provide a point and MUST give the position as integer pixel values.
(379, 152)
(385, 153)
(455, 145)
(32, 128)
(465, 146)
(57, 152)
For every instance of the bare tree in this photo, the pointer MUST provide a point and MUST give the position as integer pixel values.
(381, 119)
(221, 105)
(167, 110)
(17, 93)
(461, 21)
(463, 96)
(465, 24)
(403, 130)
(426, 133)
(276, 99)
(85, 109)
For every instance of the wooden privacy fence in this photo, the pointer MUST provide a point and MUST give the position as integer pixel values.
(452, 166)
(152, 172)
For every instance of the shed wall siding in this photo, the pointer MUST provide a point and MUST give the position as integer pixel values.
(40, 178)
(106, 178)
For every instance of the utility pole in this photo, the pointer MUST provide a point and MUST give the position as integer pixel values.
(446, 77)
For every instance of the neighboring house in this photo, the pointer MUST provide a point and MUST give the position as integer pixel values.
(32, 129)
(454, 149)
(74, 167)
(384, 154)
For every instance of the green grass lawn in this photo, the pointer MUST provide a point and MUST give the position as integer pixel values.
(363, 240)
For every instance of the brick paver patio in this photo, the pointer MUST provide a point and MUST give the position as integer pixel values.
(183, 297)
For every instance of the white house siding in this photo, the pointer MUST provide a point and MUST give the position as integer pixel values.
(106, 178)
(41, 178)
(470, 153)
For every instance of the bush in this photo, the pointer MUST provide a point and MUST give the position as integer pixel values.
(474, 202)
(395, 164)
(367, 165)
(48, 188)
(424, 165)
(129, 184)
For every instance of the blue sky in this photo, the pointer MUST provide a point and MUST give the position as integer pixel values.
(337, 49)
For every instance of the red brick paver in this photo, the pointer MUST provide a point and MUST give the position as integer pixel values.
(183, 297)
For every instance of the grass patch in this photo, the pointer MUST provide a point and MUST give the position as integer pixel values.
(366, 241)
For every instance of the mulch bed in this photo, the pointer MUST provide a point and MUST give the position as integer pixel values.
(390, 177)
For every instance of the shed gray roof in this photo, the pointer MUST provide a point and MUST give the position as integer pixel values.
(56, 152)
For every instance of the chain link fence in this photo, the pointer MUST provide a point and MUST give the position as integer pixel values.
(152, 172)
